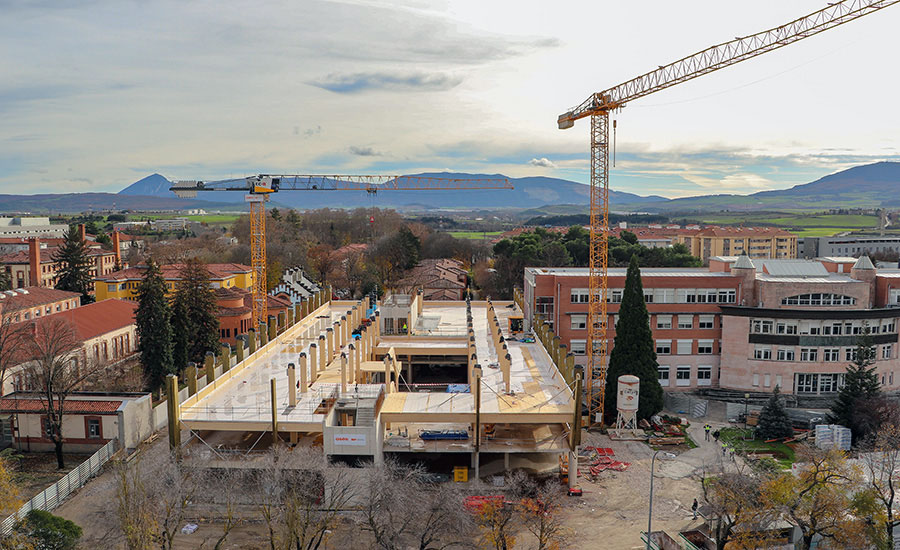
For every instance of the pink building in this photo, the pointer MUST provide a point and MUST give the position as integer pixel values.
(743, 324)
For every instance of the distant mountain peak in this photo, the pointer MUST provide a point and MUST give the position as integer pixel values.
(154, 185)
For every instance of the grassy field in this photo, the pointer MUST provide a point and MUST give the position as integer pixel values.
(805, 225)
(478, 235)
(784, 455)
(207, 218)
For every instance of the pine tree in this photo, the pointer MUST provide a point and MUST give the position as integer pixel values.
(773, 419)
(5, 279)
(154, 328)
(197, 321)
(73, 266)
(860, 384)
(634, 352)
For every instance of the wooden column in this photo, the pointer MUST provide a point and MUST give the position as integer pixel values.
(323, 352)
(292, 385)
(274, 399)
(330, 344)
(387, 374)
(312, 364)
(253, 341)
(353, 362)
(303, 367)
(191, 374)
(210, 366)
(174, 412)
(343, 374)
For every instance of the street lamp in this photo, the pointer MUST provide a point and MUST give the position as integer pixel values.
(665, 456)
(746, 399)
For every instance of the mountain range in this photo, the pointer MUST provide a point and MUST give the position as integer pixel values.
(866, 186)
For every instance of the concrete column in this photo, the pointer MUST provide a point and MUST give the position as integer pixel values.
(263, 334)
(343, 374)
(273, 397)
(241, 341)
(190, 373)
(292, 385)
(330, 341)
(210, 365)
(273, 327)
(323, 352)
(174, 412)
(303, 367)
(387, 374)
(252, 341)
(313, 372)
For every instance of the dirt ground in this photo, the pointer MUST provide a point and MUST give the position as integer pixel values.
(34, 472)
(611, 514)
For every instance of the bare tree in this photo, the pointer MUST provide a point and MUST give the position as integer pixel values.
(733, 497)
(224, 489)
(401, 509)
(153, 497)
(10, 342)
(538, 505)
(882, 466)
(55, 370)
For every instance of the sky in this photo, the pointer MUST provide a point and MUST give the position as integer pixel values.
(97, 94)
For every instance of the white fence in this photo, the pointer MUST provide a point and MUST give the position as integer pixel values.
(53, 496)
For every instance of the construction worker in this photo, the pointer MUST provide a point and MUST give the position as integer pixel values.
(694, 507)
(706, 429)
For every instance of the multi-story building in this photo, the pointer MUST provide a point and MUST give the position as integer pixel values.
(123, 284)
(848, 245)
(24, 304)
(31, 227)
(743, 324)
(103, 332)
(35, 267)
(756, 242)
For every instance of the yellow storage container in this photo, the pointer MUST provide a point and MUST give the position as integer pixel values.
(460, 474)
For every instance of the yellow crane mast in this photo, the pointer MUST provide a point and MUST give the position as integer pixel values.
(259, 188)
(600, 104)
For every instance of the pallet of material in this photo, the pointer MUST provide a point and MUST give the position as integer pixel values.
(667, 440)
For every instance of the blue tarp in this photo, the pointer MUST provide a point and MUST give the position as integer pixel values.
(457, 388)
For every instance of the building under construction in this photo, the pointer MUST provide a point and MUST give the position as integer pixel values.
(453, 382)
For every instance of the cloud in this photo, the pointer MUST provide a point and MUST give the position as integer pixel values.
(543, 162)
(362, 82)
(364, 151)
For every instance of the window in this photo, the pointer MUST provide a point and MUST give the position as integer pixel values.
(786, 328)
(663, 347)
(756, 379)
(807, 383)
(615, 296)
(685, 347)
(110, 288)
(543, 307)
(579, 322)
(818, 300)
(704, 347)
(93, 428)
(762, 353)
(704, 376)
(648, 296)
(767, 380)
(579, 347)
(685, 321)
(809, 354)
(707, 321)
(683, 376)
(663, 321)
(831, 354)
(785, 354)
(579, 296)
(761, 327)
(886, 351)
(663, 376)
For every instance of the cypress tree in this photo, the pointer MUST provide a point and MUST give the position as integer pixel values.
(773, 419)
(634, 352)
(73, 266)
(5, 279)
(154, 328)
(197, 321)
(181, 333)
(860, 384)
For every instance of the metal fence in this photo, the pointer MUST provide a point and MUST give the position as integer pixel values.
(686, 404)
(53, 496)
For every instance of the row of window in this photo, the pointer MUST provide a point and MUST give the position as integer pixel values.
(47, 310)
(818, 299)
(823, 328)
(829, 355)
(685, 347)
(683, 375)
(578, 321)
(664, 295)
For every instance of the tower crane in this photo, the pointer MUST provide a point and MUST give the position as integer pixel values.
(600, 104)
(260, 187)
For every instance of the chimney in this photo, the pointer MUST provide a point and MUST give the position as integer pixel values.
(34, 261)
(82, 232)
(117, 249)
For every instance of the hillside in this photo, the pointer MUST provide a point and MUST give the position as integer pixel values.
(83, 202)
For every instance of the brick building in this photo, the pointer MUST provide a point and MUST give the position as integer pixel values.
(35, 266)
(743, 324)
(24, 304)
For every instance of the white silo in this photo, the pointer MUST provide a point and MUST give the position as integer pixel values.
(627, 396)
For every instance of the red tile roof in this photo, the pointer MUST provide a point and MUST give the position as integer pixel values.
(21, 257)
(98, 318)
(171, 272)
(71, 406)
(37, 296)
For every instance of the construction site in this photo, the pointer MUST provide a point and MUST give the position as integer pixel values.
(457, 389)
